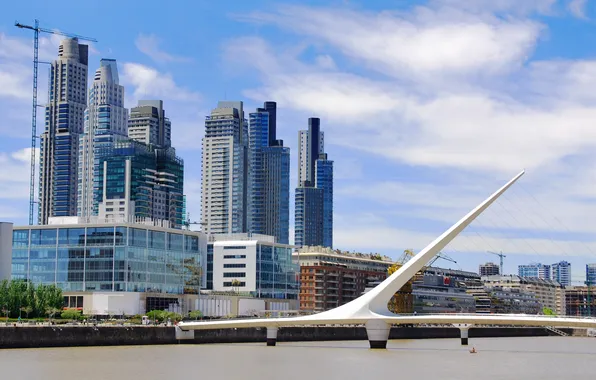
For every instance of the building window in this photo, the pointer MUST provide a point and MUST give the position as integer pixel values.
(234, 257)
(234, 274)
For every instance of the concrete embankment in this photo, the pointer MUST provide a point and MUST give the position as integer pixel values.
(74, 336)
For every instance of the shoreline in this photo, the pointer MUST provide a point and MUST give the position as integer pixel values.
(85, 336)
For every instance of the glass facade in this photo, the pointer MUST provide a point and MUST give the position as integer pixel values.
(110, 258)
(277, 274)
(535, 270)
(269, 178)
(324, 181)
(308, 225)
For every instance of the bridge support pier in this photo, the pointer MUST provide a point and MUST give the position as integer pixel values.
(463, 333)
(378, 333)
(271, 336)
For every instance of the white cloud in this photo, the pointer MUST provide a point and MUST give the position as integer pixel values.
(149, 45)
(578, 8)
(149, 82)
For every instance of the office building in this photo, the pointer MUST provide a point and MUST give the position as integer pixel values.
(590, 274)
(148, 124)
(225, 170)
(561, 273)
(580, 301)
(138, 181)
(314, 194)
(331, 278)
(436, 293)
(129, 268)
(253, 264)
(64, 122)
(105, 124)
(534, 270)
(488, 269)
(269, 177)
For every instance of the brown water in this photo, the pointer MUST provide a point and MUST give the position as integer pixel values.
(497, 358)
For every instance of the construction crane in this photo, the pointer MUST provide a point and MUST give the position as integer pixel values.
(501, 256)
(408, 254)
(36, 30)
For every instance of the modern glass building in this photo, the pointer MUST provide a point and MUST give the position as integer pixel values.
(561, 272)
(269, 177)
(224, 179)
(104, 258)
(254, 264)
(313, 225)
(64, 122)
(105, 124)
(534, 270)
(148, 124)
(140, 181)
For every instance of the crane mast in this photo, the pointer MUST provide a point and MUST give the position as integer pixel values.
(501, 256)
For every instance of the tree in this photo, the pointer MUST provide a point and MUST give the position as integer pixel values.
(547, 311)
(196, 314)
(27, 310)
(235, 285)
(160, 315)
(73, 314)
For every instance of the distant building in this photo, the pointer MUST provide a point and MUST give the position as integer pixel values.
(591, 274)
(505, 300)
(550, 294)
(64, 122)
(443, 291)
(314, 195)
(269, 177)
(561, 272)
(148, 124)
(488, 269)
(535, 270)
(331, 278)
(224, 179)
(580, 301)
(105, 123)
(254, 265)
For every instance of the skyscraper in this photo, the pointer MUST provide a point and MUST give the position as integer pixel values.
(314, 196)
(148, 124)
(140, 181)
(225, 170)
(64, 122)
(561, 272)
(269, 177)
(534, 270)
(105, 123)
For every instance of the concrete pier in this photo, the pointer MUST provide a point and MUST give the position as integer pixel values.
(378, 333)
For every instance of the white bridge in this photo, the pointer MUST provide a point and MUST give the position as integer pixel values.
(371, 309)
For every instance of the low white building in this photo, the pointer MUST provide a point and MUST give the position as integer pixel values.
(253, 264)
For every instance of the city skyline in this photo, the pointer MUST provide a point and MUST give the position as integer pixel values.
(397, 178)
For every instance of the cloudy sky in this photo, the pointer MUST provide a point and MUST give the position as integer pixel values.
(427, 107)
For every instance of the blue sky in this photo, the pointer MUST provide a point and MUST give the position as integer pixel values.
(427, 106)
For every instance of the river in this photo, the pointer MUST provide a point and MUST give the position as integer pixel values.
(496, 358)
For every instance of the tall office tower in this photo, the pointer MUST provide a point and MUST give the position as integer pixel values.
(488, 269)
(105, 124)
(269, 177)
(140, 181)
(313, 224)
(534, 270)
(64, 122)
(590, 274)
(561, 272)
(148, 124)
(225, 170)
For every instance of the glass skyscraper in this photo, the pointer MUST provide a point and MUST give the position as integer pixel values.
(105, 124)
(140, 181)
(64, 122)
(590, 274)
(148, 124)
(534, 270)
(313, 224)
(224, 179)
(269, 177)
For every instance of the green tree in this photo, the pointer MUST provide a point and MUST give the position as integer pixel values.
(27, 310)
(160, 315)
(196, 314)
(72, 314)
(547, 311)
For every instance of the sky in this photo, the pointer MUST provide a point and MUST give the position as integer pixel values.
(427, 106)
